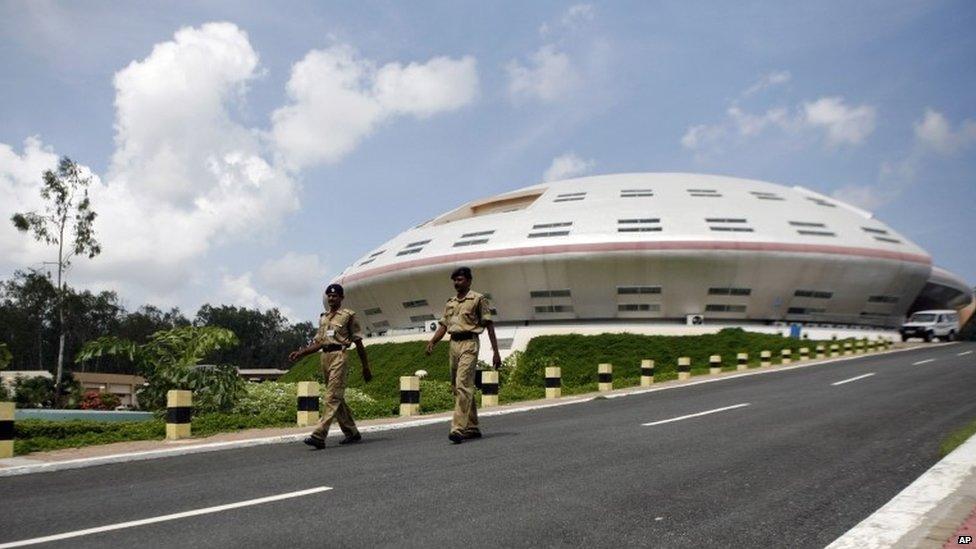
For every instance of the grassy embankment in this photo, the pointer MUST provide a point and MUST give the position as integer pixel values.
(273, 404)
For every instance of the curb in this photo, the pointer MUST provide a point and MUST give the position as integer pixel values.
(905, 521)
(45, 467)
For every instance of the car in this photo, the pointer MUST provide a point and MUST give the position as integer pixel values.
(934, 324)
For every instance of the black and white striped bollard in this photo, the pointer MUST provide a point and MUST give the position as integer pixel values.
(179, 411)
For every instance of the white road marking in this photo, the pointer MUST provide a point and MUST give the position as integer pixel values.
(852, 379)
(964, 353)
(164, 518)
(926, 361)
(705, 413)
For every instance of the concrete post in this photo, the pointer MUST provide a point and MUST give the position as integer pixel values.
(308, 403)
(409, 396)
(684, 368)
(605, 377)
(179, 411)
(647, 372)
(489, 388)
(553, 382)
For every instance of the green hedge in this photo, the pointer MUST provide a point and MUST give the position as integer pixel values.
(274, 404)
(578, 355)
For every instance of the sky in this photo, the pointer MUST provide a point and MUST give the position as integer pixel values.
(246, 152)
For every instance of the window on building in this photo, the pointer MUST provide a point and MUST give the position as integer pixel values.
(816, 233)
(883, 299)
(633, 290)
(870, 314)
(413, 247)
(804, 311)
(570, 197)
(704, 192)
(766, 196)
(644, 307)
(821, 202)
(730, 291)
(373, 311)
(641, 225)
(415, 303)
(536, 294)
(479, 233)
(367, 262)
(381, 324)
(552, 225)
(554, 308)
(886, 239)
(873, 230)
(548, 233)
(474, 242)
(806, 224)
(374, 254)
(728, 224)
(421, 318)
(816, 294)
(722, 308)
(636, 193)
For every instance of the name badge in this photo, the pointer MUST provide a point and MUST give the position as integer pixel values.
(330, 333)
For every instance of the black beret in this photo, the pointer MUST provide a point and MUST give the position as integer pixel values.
(335, 289)
(462, 271)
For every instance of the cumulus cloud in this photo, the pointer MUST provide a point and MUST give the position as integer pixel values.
(337, 99)
(934, 132)
(240, 291)
(566, 166)
(768, 80)
(547, 76)
(571, 19)
(842, 123)
(295, 275)
(20, 179)
(839, 123)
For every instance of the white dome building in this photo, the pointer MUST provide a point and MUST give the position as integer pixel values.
(654, 248)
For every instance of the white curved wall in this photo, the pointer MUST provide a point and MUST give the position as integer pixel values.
(682, 233)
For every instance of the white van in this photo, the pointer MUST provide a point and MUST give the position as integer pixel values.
(941, 324)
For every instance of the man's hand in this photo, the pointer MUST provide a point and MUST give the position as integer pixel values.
(430, 347)
(367, 374)
(496, 360)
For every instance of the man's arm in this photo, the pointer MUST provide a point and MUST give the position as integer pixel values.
(496, 359)
(441, 330)
(361, 351)
(313, 347)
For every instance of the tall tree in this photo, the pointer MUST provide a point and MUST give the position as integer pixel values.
(66, 222)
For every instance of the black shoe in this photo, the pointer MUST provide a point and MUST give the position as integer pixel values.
(353, 439)
(316, 443)
(472, 434)
(456, 437)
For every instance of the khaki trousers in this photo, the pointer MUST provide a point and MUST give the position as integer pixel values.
(336, 371)
(464, 362)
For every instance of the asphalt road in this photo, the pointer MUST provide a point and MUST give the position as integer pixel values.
(801, 464)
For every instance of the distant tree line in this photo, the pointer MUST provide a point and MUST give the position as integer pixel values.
(29, 327)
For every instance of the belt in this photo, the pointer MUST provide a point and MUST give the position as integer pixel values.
(332, 348)
(463, 336)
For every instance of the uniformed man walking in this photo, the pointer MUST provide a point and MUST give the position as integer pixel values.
(466, 315)
(338, 329)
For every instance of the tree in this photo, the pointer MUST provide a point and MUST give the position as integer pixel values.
(5, 356)
(266, 337)
(169, 361)
(68, 223)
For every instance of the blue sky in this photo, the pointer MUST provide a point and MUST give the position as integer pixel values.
(245, 153)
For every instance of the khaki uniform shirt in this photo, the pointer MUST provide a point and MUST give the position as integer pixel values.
(466, 315)
(340, 328)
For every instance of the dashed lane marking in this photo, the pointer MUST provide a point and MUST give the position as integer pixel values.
(926, 361)
(699, 414)
(964, 353)
(164, 518)
(843, 381)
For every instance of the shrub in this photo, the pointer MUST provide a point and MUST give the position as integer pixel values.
(93, 400)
